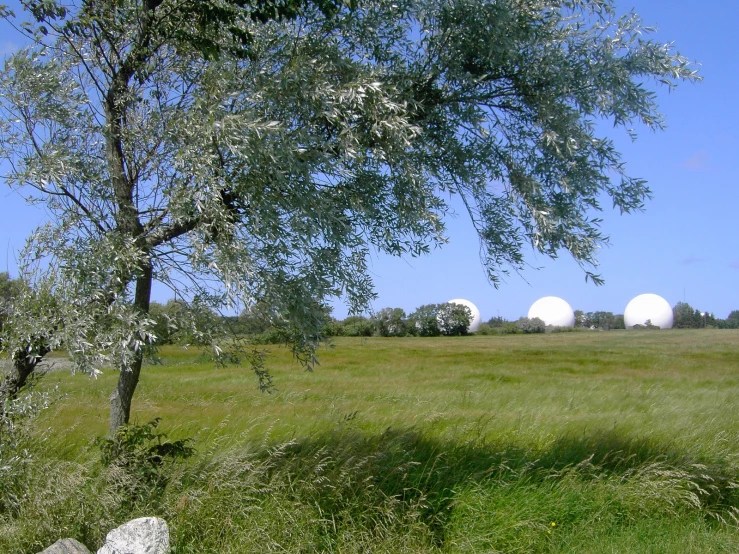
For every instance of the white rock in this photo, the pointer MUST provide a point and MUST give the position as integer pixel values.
(66, 546)
(146, 535)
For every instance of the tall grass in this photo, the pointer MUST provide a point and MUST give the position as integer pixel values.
(578, 442)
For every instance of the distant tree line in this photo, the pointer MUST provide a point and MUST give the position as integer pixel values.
(687, 317)
(393, 322)
(604, 321)
(178, 321)
(429, 320)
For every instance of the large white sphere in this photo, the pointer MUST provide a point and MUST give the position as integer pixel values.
(650, 307)
(476, 319)
(553, 311)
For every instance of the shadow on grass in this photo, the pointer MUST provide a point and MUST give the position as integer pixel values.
(348, 491)
(412, 472)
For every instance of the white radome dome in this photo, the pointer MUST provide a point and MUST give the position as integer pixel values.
(650, 307)
(476, 319)
(553, 311)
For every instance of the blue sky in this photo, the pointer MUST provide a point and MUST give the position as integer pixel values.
(685, 246)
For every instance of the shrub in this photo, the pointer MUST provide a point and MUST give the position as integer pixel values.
(531, 325)
(18, 445)
(497, 322)
(391, 322)
(646, 326)
(272, 335)
(557, 329)
(486, 329)
(357, 326)
(423, 321)
(453, 319)
(509, 328)
(334, 328)
(140, 461)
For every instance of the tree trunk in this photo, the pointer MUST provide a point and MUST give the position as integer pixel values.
(120, 400)
(23, 366)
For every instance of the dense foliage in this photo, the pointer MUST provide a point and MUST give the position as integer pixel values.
(392, 322)
(731, 322)
(686, 317)
(531, 325)
(599, 320)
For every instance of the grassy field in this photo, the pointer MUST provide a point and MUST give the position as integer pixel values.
(569, 442)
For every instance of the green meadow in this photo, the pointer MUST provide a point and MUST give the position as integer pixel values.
(593, 442)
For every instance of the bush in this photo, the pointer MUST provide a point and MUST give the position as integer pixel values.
(453, 319)
(141, 460)
(531, 325)
(333, 328)
(486, 329)
(357, 326)
(272, 335)
(391, 322)
(497, 322)
(18, 445)
(556, 329)
(423, 321)
(647, 325)
(509, 328)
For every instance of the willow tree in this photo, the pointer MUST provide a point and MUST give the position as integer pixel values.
(258, 152)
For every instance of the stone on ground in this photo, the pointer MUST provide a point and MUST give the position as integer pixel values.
(66, 546)
(146, 535)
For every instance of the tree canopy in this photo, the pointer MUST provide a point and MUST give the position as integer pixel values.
(686, 317)
(258, 152)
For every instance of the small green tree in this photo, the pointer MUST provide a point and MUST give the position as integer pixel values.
(618, 322)
(423, 321)
(601, 320)
(685, 317)
(391, 322)
(580, 319)
(496, 322)
(357, 326)
(531, 325)
(732, 321)
(453, 319)
(33, 321)
(9, 288)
